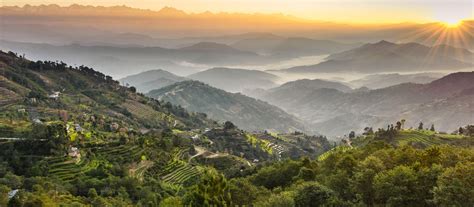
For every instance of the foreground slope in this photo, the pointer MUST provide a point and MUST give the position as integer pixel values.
(245, 112)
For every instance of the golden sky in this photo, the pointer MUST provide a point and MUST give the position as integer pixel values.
(351, 11)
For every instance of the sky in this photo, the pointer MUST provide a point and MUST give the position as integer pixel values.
(351, 11)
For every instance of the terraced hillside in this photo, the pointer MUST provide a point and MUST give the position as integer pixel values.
(79, 127)
(418, 138)
(177, 172)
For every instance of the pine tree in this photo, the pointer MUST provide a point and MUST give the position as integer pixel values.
(420, 127)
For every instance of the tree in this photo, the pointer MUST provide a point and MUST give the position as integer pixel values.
(212, 190)
(352, 135)
(4, 194)
(228, 125)
(399, 125)
(244, 193)
(432, 128)
(461, 130)
(276, 200)
(364, 178)
(456, 186)
(313, 194)
(420, 126)
(396, 187)
(368, 131)
(171, 201)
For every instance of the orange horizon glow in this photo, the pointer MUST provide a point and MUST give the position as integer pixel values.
(337, 11)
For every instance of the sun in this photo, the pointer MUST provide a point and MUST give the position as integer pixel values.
(452, 23)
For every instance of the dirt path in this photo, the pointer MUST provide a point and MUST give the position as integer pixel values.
(199, 150)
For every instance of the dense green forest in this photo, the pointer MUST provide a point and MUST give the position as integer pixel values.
(72, 136)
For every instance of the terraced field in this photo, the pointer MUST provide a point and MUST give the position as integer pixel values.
(422, 138)
(425, 137)
(325, 155)
(120, 152)
(67, 169)
(265, 145)
(178, 171)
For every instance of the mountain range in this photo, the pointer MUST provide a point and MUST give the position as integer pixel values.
(236, 80)
(228, 79)
(168, 26)
(117, 61)
(291, 47)
(247, 113)
(376, 81)
(331, 111)
(385, 56)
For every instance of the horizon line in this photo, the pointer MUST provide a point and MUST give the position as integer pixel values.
(290, 16)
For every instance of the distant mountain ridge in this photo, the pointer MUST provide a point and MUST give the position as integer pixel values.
(298, 88)
(152, 79)
(235, 80)
(116, 60)
(331, 111)
(292, 46)
(385, 56)
(247, 113)
(376, 81)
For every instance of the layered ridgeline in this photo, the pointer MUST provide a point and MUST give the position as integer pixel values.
(376, 81)
(385, 56)
(152, 79)
(78, 134)
(236, 80)
(247, 113)
(117, 60)
(228, 79)
(290, 47)
(447, 102)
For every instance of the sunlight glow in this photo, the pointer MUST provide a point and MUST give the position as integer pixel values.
(452, 23)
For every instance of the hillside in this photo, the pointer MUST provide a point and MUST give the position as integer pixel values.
(413, 137)
(445, 102)
(385, 56)
(235, 80)
(247, 113)
(152, 79)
